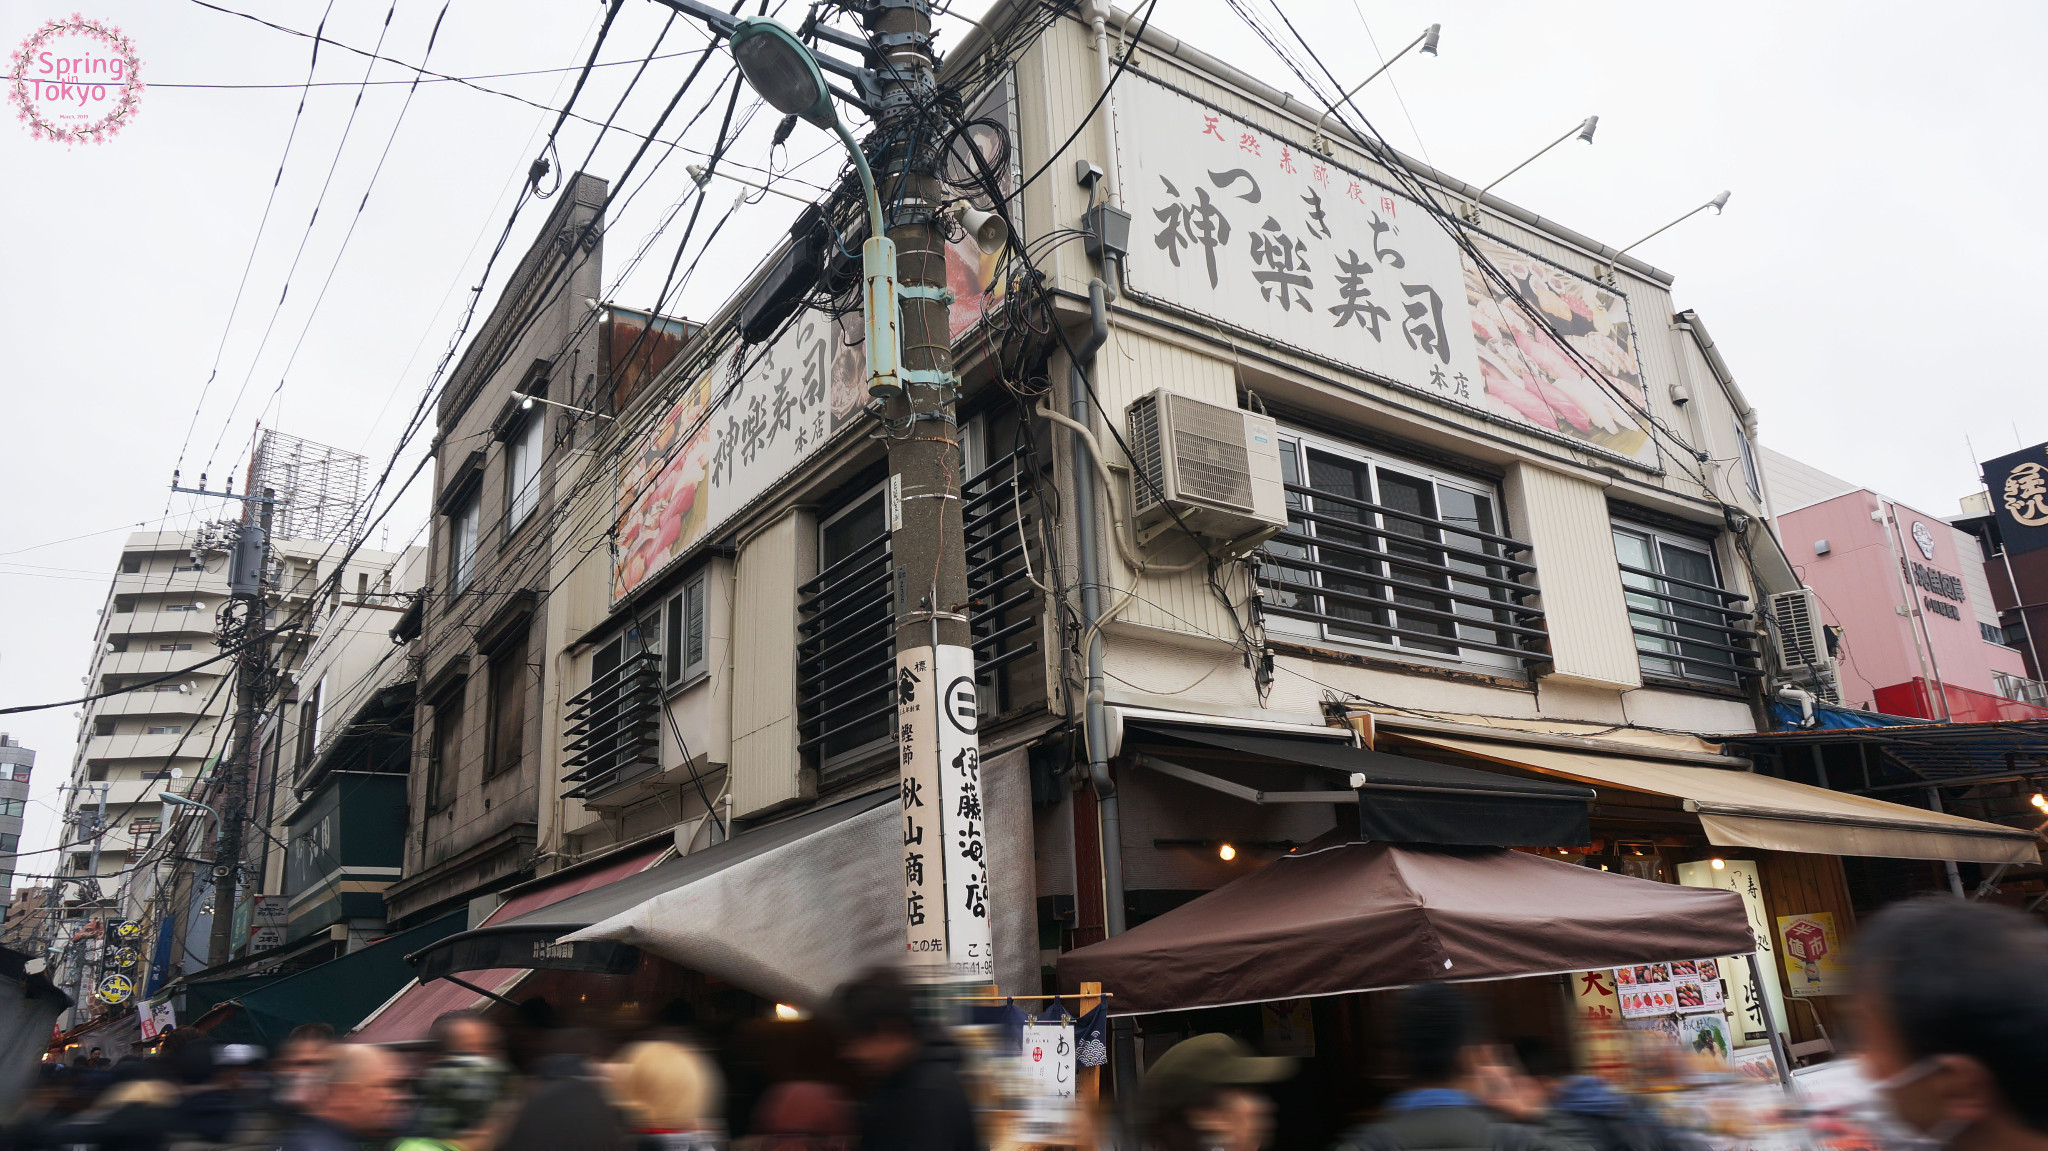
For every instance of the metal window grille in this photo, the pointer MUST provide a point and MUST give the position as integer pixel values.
(998, 511)
(846, 656)
(615, 727)
(1366, 571)
(1688, 628)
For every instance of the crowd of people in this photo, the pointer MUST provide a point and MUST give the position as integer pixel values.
(1951, 1004)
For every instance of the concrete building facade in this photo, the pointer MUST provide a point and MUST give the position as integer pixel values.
(16, 764)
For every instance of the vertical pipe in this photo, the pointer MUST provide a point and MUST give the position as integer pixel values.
(1763, 1006)
(1094, 731)
(1948, 866)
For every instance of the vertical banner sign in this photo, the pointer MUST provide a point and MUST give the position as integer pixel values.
(1740, 877)
(945, 838)
(2018, 485)
(1049, 1068)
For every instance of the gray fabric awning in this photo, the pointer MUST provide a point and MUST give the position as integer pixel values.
(788, 911)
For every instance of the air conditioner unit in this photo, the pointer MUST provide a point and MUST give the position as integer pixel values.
(1799, 643)
(1217, 467)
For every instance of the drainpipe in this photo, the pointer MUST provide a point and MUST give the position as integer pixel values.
(1085, 530)
(1123, 1044)
(1096, 12)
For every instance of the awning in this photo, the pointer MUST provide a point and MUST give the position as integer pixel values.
(339, 992)
(407, 1016)
(1743, 809)
(788, 911)
(1372, 916)
(1399, 800)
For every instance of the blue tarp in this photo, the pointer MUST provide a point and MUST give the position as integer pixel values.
(1826, 716)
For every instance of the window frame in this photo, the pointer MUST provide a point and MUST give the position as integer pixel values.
(523, 447)
(1374, 460)
(1673, 670)
(463, 522)
(444, 743)
(686, 606)
(509, 661)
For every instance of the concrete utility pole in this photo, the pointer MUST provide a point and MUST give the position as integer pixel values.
(244, 627)
(948, 921)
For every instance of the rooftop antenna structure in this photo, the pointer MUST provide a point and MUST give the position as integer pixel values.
(319, 488)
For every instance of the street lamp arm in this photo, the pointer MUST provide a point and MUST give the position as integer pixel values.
(1584, 130)
(1717, 203)
(1429, 34)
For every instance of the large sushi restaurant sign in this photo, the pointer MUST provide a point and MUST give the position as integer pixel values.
(1262, 235)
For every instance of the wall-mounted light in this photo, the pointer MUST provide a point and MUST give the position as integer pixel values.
(1720, 864)
(1226, 853)
(2039, 801)
(790, 1013)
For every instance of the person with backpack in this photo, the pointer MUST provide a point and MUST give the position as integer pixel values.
(1459, 1098)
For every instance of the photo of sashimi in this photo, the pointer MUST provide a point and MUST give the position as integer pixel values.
(1529, 377)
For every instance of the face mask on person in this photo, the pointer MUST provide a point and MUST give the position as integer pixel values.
(1899, 1133)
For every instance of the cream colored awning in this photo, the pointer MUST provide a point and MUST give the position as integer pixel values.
(1741, 809)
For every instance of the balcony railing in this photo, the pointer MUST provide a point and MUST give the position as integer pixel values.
(1688, 629)
(615, 728)
(1382, 575)
(846, 655)
(2019, 688)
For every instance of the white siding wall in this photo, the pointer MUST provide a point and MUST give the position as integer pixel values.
(1565, 519)
(766, 767)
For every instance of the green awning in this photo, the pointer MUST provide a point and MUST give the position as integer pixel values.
(339, 992)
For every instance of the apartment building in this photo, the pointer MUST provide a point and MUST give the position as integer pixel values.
(16, 763)
(159, 619)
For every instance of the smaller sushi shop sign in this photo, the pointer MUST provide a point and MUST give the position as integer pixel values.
(75, 80)
(745, 423)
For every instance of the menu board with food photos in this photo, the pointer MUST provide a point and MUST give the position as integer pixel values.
(1680, 987)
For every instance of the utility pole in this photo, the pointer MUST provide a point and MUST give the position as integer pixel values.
(946, 876)
(912, 388)
(244, 627)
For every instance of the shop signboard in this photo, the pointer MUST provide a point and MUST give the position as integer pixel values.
(1813, 954)
(757, 413)
(1049, 1071)
(1262, 235)
(945, 839)
(1745, 1008)
(2018, 486)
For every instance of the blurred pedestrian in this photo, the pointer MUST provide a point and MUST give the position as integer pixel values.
(1589, 1110)
(670, 1095)
(467, 1033)
(1203, 1095)
(565, 1108)
(301, 1062)
(99, 1061)
(1461, 1096)
(1952, 1003)
(915, 1100)
(355, 1103)
(136, 1115)
(461, 1105)
(806, 1115)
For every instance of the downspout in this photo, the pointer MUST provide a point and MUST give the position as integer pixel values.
(1095, 730)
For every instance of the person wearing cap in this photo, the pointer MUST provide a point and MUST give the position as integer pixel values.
(1202, 1095)
(1460, 1096)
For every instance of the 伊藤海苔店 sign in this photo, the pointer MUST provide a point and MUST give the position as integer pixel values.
(1263, 235)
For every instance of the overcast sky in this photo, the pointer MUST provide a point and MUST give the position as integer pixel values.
(1868, 283)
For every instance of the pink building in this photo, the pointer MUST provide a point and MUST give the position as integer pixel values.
(1920, 635)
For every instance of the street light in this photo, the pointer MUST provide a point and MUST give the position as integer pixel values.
(1717, 203)
(171, 800)
(778, 66)
(1584, 131)
(1428, 40)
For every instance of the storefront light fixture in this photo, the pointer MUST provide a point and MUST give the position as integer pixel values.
(1717, 203)
(1428, 41)
(1720, 864)
(1226, 853)
(1583, 131)
(2039, 801)
(789, 1013)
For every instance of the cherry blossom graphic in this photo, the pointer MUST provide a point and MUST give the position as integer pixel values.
(75, 80)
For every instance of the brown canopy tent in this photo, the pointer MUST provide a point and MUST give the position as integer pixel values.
(1371, 916)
